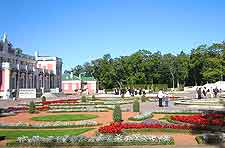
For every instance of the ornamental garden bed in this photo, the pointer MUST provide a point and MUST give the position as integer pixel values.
(65, 117)
(57, 124)
(78, 110)
(117, 127)
(141, 117)
(45, 133)
(99, 140)
(201, 119)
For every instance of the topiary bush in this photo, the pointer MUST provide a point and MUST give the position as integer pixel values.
(117, 114)
(32, 107)
(136, 106)
(83, 99)
(93, 98)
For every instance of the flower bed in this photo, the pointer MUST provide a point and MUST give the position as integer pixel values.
(201, 119)
(57, 124)
(80, 106)
(24, 108)
(68, 101)
(141, 117)
(177, 112)
(101, 139)
(78, 110)
(117, 127)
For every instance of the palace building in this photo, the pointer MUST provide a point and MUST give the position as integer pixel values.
(23, 71)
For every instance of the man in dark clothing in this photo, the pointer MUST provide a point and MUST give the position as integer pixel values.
(216, 90)
(199, 91)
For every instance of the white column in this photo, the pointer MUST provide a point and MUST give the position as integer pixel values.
(6, 79)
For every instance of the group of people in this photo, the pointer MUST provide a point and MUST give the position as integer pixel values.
(131, 91)
(163, 97)
(202, 92)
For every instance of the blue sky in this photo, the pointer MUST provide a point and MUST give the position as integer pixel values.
(82, 30)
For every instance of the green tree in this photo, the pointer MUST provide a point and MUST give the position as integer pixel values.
(32, 107)
(136, 106)
(117, 114)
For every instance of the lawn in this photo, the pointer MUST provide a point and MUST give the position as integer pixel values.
(64, 117)
(14, 134)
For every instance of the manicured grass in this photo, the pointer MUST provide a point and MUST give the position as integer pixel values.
(64, 117)
(18, 133)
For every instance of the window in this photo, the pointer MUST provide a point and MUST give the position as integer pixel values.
(66, 87)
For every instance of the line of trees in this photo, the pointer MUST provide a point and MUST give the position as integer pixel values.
(204, 64)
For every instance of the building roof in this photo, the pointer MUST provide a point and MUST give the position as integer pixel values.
(67, 77)
(88, 78)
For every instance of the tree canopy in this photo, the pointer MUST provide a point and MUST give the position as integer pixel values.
(204, 64)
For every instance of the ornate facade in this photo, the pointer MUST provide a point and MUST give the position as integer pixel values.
(18, 70)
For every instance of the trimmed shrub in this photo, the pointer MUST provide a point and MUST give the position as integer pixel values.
(117, 114)
(43, 99)
(136, 106)
(83, 99)
(93, 98)
(32, 107)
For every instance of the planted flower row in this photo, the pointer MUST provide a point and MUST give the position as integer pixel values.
(100, 139)
(24, 108)
(81, 106)
(78, 110)
(49, 124)
(69, 101)
(141, 116)
(202, 119)
(117, 127)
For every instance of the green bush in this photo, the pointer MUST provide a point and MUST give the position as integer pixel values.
(32, 107)
(83, 99)
(93, 98)
(117, 114)
(43, 99)
(136, 106)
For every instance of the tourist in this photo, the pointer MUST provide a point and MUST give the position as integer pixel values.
(140, 91)
(215, 91)
(204, 92)
(166, 96)
(199, 92)
(14, 94)
(135, 92)
(160, 97)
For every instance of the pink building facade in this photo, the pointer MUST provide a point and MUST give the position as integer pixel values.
(18, 70)
(74, 85)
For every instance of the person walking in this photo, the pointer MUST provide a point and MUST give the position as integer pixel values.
(215, 91)
(160, 97)
(204, 92)
(166, 100)
(199, 92)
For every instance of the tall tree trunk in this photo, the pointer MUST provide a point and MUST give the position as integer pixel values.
(178, 83)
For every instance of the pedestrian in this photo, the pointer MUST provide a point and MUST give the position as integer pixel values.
(199, 92)
(166, 100)
(135, 92)
(204, 92)
(160, 97)
(215, 90)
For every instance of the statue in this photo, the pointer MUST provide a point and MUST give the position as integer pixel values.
(4, 38)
